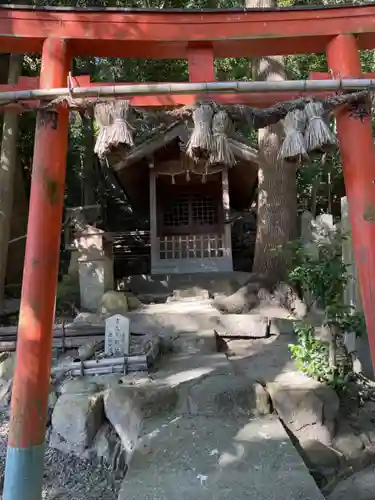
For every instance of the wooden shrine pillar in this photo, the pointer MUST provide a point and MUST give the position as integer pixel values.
(154, 241)
(358, 162)
(31, 383)
(226, 210)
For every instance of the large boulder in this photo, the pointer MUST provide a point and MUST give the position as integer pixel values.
(307, 407)
(323, 461)
(127, 406)
(229, 396)
(114, 303)
(242, 301)
(76, 419)
(133, 302)
(122, 411)
(78, 386)
(258, 293)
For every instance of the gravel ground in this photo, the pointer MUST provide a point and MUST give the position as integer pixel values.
(67, 477)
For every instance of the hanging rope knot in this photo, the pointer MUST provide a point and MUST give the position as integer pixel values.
(293, 147)
(104, 119)
(200, 142)
(114, 129)
(121, 131)
(221, 152)
(318, 136)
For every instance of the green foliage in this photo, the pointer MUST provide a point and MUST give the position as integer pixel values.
(311, 357)
(324, 276)
(322, 273)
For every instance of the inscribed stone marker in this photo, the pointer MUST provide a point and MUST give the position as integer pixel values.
(117, 335)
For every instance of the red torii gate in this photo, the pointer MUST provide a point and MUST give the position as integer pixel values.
(199, 37)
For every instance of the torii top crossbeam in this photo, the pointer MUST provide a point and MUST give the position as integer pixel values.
(158, 34)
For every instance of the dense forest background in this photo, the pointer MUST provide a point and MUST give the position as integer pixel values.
(319, 182)
(324, 179)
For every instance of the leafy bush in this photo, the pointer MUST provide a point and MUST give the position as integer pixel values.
(322, 274)
(311, 356)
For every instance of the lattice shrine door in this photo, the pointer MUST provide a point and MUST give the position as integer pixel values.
(190, 225)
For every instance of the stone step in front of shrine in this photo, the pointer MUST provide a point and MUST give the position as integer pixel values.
(170, 320)
(209, 458)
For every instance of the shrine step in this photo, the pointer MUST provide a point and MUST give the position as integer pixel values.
(176, 318)
(214, 459)
(217, 282)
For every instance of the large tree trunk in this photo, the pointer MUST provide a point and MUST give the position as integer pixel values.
(8, 165)
(89, 156)
(18, 228)
(89, 186)
(277, 190)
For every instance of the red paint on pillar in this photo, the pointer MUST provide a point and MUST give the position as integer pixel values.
(34, 345)
(201, 63)
(358, 161)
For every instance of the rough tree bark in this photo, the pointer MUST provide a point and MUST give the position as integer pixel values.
(89, 197)
(8, 165)
(277, 190)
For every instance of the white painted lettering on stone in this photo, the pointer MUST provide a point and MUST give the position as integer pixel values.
(117, 335)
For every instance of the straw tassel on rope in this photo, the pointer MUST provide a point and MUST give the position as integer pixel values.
(318, 136)
(221, 152)
(200, 142)
(121, 131)
(293, 147)
(104, 118)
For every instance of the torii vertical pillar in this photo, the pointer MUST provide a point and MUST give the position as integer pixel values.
(25, 455)
(358, 162)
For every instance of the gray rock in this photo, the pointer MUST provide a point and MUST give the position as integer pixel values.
(90, 319)
(104, 443)
(122, 410)
(114, 303)
(243, 300)
(324, 433)
(127, 406)
(191, 293)
(133, 302)
(228, 396)
(363, 422)
(348, 442)
(321, 458)
(108, 448)
(78, 386)
(242, 325)
(77, 418)
(52, 400)
(193, 343)
(360, 486)
(301, 401)
(7, 364)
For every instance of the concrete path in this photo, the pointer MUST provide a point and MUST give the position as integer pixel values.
(190, 458)
(218, 455)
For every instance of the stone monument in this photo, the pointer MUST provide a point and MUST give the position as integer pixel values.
(117, 335)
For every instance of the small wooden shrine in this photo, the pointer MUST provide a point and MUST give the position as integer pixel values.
(187, 199)
(185, 168)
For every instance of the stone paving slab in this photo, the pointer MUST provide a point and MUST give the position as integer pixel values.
(205, 458)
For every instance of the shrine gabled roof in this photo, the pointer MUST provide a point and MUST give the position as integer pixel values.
(179, 131)
(132, 167)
